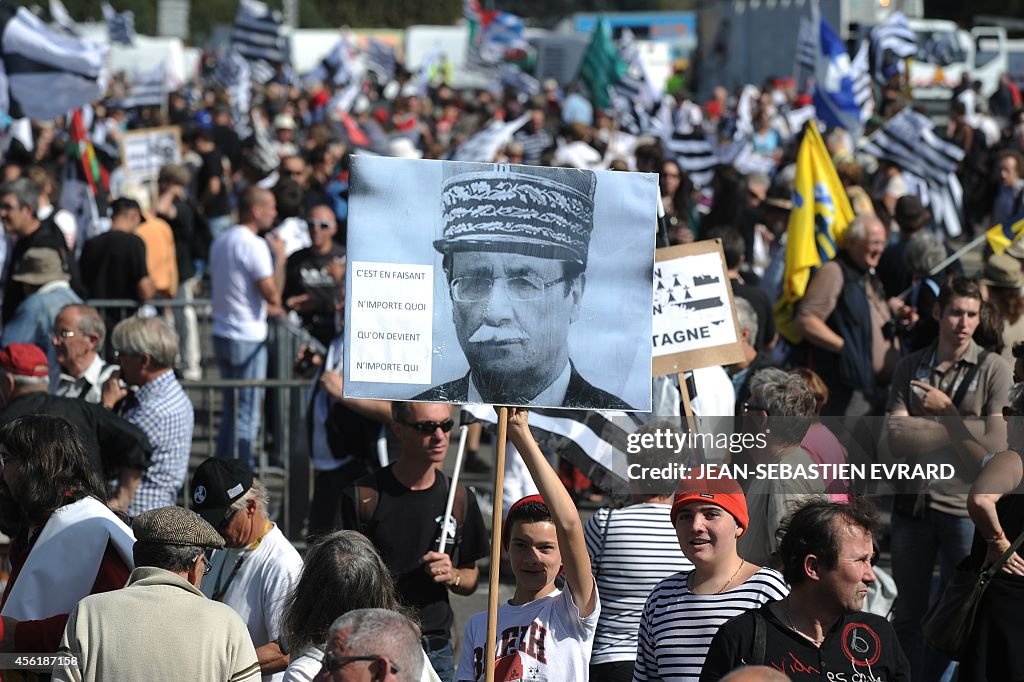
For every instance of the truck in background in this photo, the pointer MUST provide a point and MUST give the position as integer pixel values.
(751, 41)
(946, 53)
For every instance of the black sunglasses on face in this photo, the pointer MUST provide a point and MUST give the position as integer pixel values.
(429, 427)
(226, 521)
(333, 662)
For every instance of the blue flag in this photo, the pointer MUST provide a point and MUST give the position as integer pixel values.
(835, 97)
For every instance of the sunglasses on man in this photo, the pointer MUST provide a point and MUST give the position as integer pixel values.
(427, 428)
(333, 662)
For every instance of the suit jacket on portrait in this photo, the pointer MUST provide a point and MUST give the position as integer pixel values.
(579, 394)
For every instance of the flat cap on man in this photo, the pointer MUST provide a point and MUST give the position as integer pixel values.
(175, 526)
(533, 211)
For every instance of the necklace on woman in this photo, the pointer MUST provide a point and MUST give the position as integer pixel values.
(729, 581)
(789, 615)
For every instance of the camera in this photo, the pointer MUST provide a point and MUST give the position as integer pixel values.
(894, 329)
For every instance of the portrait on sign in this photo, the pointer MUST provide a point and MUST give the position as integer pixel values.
(499, 284)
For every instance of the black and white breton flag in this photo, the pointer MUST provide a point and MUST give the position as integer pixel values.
(232, 73)
(634, 96)
(697, 156)
(120, 25)
(927, 162)
(892, 35)
(485, 144)
(637, 83)
(381, 60)
(45, 73)
(256, 35)
(337, 68)
(861, 76)
(146, 89)
(264, 156)
(594, 442)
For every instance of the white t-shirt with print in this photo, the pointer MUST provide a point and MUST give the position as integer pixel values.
(544, 641)
(257, 591)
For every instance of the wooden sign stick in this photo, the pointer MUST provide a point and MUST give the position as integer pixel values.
(492, 594)
(684, 392)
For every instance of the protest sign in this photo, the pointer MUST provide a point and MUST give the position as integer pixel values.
(144, 152)
(499, 284)
(694, 321)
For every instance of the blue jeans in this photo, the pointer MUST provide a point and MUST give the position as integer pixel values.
(916, 544)
(240, 427)
(441, 660)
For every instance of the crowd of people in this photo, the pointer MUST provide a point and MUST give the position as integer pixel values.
(716, 578)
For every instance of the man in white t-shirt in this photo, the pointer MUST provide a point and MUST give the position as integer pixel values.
(246, 277)
(258, 567)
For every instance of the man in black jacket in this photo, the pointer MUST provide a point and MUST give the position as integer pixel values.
(119, 451)
(818, 632)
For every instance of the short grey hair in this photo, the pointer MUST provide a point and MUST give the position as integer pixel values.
(146, 336)
(25, 191)
(924, 252)
(90, 322)
(258, 493)
(174, 558)
(787, 400)
(384, 633)
(858, 228)
(746, 317)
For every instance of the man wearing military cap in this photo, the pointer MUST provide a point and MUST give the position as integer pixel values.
(515, 247)
(160, 627)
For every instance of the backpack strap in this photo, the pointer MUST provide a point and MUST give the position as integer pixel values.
(760, 639)
(961, 390)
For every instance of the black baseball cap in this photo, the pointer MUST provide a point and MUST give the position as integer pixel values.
(216, 484)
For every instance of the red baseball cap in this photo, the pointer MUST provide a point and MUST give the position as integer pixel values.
(505, 527)
(723, 492)
(24, 359)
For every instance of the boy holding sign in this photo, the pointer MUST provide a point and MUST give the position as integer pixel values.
(543, 632)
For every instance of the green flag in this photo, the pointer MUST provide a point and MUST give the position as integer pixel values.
(602, 66)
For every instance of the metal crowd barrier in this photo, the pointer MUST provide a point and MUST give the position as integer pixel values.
(284, 468)
(285, 399)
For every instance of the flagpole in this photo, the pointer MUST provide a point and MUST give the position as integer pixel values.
(463, 430)
(163, 95)
(953, 257)
(492, 589)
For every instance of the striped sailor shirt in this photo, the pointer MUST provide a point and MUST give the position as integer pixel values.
(677, 626)
(631, 550)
